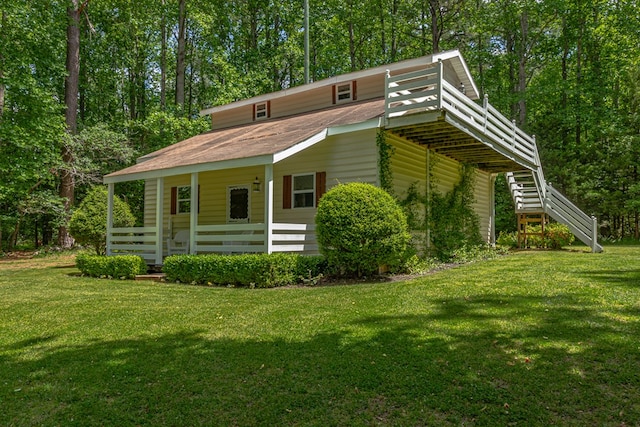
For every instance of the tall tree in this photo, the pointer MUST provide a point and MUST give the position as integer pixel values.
(67, 185)
(181, 54)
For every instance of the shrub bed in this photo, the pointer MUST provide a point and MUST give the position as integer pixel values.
(251, 270)
(119, 267)
(556, 236)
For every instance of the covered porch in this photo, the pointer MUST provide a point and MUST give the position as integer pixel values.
(225, 219)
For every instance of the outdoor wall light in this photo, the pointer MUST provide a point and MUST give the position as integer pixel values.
(256, 185)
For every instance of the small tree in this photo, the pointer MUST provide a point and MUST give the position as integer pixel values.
(360, 227)
(88, 224)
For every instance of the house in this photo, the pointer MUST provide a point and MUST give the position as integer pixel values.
(253, 182)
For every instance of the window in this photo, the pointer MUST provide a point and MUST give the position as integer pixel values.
(262, 110)
(183, 199)
(238, 204)
(303, 190)
(344, 92)
(304, 187)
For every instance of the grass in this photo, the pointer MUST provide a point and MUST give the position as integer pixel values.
(534, 338)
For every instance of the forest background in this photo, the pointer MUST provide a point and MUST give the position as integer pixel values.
(88, 85)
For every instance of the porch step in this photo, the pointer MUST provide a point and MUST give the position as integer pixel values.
(155, 277)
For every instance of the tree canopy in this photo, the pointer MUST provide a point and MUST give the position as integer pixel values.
(565, 70)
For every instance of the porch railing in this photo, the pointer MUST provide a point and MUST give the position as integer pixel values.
(133, 241)
(225, 239)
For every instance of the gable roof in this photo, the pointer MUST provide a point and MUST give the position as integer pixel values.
(452, 57)
(251, 144)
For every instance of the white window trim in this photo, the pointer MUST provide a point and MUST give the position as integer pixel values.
(228, 207)
(264, 111)
(294, 191)
(178, 200)
(350, 92)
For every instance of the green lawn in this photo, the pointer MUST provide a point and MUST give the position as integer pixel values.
(534, 338)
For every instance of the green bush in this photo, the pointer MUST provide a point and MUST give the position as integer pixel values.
(556, 236)
(118, 267)
(359, 228)
(252, 270)
(508, 239)
(88, 224)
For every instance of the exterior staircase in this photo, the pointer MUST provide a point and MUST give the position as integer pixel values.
(533, 196)
(424, 107)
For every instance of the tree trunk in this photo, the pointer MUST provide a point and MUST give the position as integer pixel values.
(3, 24)
(434, 7)
(71, 115)
(522, 70)
(163, 58)
(181, 56)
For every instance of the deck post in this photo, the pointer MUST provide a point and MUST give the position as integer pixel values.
(594, 235)
(492, 201)
(513, 130)
(386, 93)
(485, 105)
(110, 191)
(268, 208)
(159, 219)
(440, 79)
(193, 215)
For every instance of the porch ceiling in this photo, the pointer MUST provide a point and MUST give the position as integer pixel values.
(443, 137)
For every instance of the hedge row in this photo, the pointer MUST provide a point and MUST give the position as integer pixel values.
(118, 267)
(251, 270)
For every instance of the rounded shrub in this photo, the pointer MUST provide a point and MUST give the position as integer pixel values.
(359, 228)
(88, 224)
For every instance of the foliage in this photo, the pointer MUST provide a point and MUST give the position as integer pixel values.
(385, 152)
(96, 151)
(359, 228)
(250, 270)
(556, 236)
(508, 239)
(88, 223)
(565, 71)
(452, 221)
(111, 267)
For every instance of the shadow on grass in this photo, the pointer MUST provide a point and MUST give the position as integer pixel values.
(474, 361)
(627, 277)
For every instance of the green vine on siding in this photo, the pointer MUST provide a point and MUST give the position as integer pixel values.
(385, 152)
(452, 221)
(447, 221)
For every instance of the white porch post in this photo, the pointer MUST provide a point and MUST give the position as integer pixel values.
(492, 201)
(193, 217)
(268, 208)
(159, 219)
(110, 191)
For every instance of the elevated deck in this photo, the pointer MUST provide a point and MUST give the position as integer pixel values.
(424, 108)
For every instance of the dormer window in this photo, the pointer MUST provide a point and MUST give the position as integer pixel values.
(344, 92)
(261, 110)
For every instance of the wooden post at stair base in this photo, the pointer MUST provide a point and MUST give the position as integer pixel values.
(524, 219)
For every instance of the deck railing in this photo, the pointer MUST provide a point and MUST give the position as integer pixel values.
(427, 91)
(226, 239)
